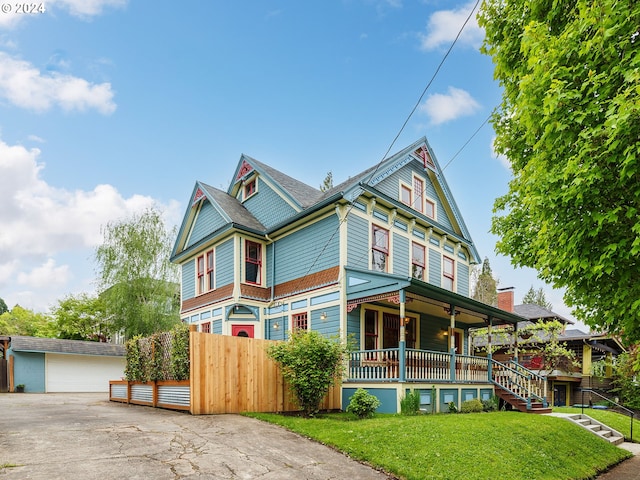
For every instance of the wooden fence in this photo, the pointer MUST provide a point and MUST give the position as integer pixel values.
(227, 375)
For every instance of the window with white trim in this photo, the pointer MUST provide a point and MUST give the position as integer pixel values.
(253, 262)
(249, 188)
(418, 263)
(210, 271)
(379, 248)
(430, 210)
(448, 273)
(370, 332)
(200, 274)
(204, 272)
(405, 195)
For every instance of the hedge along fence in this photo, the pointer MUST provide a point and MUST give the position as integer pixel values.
(162, 356)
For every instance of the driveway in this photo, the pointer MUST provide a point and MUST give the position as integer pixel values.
(84, 436)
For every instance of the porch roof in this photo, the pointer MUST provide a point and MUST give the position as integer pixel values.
(366, 285)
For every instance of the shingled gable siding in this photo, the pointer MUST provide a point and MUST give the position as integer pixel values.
(268, 207)
(307, 251)
(207, 221)
(358, 242)
(220, 293)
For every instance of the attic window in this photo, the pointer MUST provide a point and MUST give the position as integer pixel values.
(249, 188)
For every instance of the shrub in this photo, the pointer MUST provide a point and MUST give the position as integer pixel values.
(471, 406)
(410, 404)
(180, 352)
(363, 404)
(310, 364)
(452, 407)
(491, 405)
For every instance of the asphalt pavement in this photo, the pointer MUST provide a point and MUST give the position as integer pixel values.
(84, 436)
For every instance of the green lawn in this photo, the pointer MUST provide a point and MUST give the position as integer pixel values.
(504, 445)
(621, 423)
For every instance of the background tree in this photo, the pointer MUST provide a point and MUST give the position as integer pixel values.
(536, 297)
(3, 306)
(327, 184)
(82, 317)
(569, 124)
(140, 288)
(21, 321)
(485, 287)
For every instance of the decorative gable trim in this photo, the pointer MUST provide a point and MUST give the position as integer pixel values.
(423, 154)
(199, 195)
(245, 168)
(392, 169)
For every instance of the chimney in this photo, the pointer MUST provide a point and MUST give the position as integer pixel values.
(505, 299)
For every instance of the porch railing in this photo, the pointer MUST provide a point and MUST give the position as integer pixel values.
(519, 381)
(389, 365)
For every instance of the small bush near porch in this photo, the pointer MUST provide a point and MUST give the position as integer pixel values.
(474, 446)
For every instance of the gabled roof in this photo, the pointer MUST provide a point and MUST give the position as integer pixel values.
(56, 345)
(300, 193)
(235, 211)
(532, 312)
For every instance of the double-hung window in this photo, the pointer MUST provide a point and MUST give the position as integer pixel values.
(370, 333)
(200, 273)
(249, 188)
(418, 193)
(405, 195)
(210, 275)
(379, 249)
(448, 273)
(417, 261)
(252, 262)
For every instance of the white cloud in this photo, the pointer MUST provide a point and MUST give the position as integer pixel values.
(45, 276)
(25, 86)
(441, 108)
(42, 223)
(444, 25)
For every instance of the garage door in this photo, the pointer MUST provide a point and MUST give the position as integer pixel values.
(81, 373)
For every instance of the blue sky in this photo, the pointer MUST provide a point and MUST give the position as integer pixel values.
(110, 106)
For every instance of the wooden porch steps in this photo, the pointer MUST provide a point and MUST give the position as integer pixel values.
(521, 405)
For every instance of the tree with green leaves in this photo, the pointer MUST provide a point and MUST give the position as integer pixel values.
(537, 297)
(3, 306)
(485, 287)
(22, 321)
(82, 317)
(140, 287)
(569, 124)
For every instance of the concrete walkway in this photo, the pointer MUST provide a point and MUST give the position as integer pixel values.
(84, 436)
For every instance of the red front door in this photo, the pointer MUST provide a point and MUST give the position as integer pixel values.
(242, 331)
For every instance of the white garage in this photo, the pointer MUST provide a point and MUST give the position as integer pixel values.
(81, 373)
(56, 365)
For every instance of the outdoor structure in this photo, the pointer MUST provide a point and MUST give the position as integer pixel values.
(382, 259)
(593, 353)
(45, 365)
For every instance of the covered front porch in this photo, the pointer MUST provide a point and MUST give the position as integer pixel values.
(410, 334)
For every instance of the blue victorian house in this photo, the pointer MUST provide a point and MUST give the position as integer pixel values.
(383, 258)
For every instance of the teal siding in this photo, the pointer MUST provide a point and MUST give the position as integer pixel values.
(216, 327)
(462, 278)
(388, 398)
(435, 267)
(448, 395)
(207, 221)
(358, 242)
(224, 263)
(441, 214)
(188, 280)
(28, 369)
(310, 250)
(328, 327)
(401, 255)
(268, 206)
(353, 326)
(272, 333)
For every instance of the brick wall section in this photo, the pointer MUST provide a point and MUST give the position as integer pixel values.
(505, 300)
